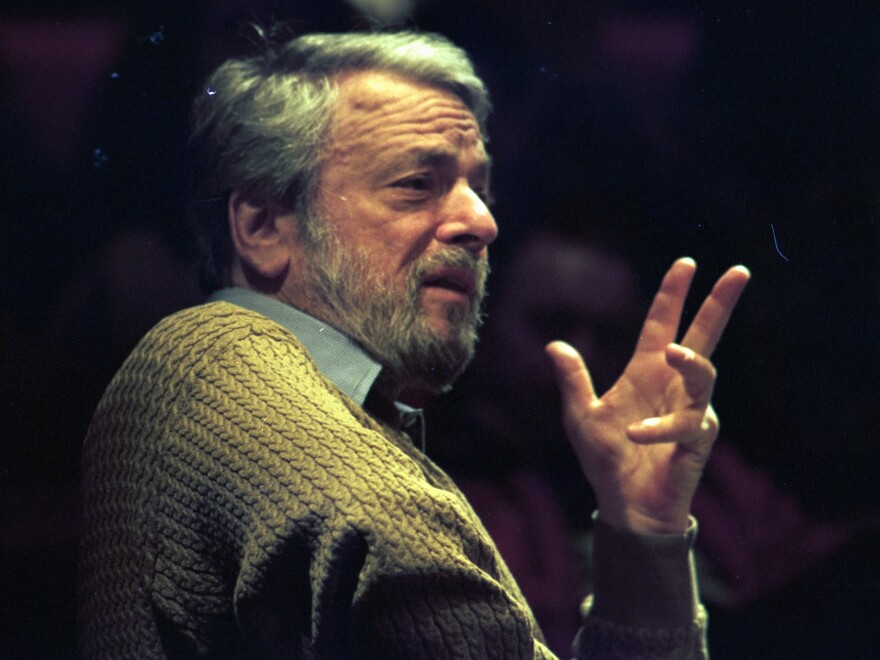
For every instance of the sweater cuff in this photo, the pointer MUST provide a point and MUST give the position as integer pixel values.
(644, 580)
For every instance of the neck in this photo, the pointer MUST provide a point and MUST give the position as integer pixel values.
(387, 386)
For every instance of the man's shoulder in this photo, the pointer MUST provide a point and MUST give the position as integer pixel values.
(215, 315)
(211, 325)
(219, 353)
(214, 338)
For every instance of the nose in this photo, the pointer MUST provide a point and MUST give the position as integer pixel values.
(467, 220)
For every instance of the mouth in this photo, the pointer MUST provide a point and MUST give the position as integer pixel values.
(457, 280)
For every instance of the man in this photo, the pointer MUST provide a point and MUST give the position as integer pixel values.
(251, 489)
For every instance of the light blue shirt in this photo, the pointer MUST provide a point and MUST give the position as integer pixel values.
(336, 355)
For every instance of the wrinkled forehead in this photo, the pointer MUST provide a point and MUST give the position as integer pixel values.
(376, 106)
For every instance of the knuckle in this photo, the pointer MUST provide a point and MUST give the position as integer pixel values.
(713, 372)
(710, 424)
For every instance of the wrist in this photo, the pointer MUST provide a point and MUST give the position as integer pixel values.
(626, 563)
(639, 522)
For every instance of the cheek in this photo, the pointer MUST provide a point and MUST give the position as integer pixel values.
(405, 238)
(393, 243)
(390, 254)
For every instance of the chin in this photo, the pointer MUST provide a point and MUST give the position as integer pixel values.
(443, 330)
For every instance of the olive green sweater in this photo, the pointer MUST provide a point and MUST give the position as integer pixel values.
(238, 505)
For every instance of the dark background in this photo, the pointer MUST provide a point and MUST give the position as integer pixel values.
(735, 132)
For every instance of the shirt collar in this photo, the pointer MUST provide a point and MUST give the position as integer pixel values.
(338, 357)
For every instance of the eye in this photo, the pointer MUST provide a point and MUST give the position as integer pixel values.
(416, 183)
(484, 194)
(414, 189)
(479, 182)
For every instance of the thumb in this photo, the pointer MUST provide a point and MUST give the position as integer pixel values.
(572, 377)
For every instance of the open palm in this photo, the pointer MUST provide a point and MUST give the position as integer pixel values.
(644, 443)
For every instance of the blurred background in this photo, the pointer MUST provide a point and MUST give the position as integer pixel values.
(625, 134)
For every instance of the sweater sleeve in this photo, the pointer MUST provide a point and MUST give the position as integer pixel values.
(645, 601)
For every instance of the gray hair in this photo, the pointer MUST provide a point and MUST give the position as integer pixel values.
(260, 123)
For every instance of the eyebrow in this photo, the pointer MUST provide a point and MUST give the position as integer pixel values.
(432, 157)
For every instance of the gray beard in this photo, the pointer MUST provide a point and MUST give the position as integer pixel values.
(391, 328)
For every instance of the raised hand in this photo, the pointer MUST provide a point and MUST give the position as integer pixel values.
(643, 444)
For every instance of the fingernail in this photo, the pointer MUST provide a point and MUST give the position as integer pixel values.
(686, 353)
(651, 421)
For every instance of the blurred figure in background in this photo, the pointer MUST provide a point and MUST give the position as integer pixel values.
(789, 518)
(767, 548)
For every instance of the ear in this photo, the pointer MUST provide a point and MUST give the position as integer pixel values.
(261, 235)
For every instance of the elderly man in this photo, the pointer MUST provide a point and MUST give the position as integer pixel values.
(253, 485)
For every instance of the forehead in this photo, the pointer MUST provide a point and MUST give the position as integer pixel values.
(380, 112)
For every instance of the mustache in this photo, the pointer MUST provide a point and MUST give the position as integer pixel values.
(452, 257)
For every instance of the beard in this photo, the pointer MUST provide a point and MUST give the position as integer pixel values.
(391, 327)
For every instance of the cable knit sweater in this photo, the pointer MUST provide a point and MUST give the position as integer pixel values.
(238, 505)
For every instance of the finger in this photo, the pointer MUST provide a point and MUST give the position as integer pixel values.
(572, 377)
(697, 372)
(708, 325)
(661, 324)
(693, 428)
